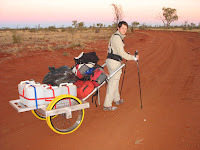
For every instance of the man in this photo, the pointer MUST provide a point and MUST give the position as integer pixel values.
(115, 54)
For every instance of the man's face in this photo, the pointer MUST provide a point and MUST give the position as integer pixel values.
(123, 29)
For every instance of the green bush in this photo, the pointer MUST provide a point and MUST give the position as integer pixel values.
(143, 27)
(189, 27)
(52, 28)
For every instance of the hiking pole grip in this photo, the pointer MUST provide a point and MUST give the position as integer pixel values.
(136, 53)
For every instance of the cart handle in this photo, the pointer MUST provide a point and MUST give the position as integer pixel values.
(103, 65)
(110, 76)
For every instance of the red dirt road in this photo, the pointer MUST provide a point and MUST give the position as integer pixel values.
(170, 78)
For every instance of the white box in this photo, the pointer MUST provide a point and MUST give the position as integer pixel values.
(40, 94)
(68, 88)
(34, 94)
(21, 87)
(51, 92)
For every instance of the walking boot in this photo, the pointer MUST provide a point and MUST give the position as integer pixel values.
(119, 102)
(111, 108)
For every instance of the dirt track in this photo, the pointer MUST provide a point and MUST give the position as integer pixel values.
(170, 77)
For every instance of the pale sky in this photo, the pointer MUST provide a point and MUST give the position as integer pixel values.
(29, 13)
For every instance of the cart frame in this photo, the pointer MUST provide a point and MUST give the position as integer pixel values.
(48, 111)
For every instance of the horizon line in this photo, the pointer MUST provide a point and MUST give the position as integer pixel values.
(65, 25)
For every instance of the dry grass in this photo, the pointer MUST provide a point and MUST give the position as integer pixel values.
(33, 40)
(175, 29)
(25, 40)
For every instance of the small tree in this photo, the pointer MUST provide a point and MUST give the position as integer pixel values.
(169, 15)
(193, 25)
(81, 24)
(134, 24)
(99, 25)
(118, 13)
(185, 25)
(74, 23)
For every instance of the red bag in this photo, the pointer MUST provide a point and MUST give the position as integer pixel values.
(84, 88)
(98, 77)
(80, 69)
(78, 82)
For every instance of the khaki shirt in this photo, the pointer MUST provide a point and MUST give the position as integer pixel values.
(117, 46)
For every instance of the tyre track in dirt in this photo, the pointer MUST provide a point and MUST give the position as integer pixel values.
(163, 92)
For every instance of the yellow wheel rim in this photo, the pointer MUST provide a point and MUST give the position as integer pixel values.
(51, 106)
(37, 115)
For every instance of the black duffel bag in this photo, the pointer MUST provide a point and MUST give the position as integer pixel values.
(60, 75)
(85, 58)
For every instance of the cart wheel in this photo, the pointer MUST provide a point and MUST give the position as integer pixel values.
(59, 123)
(38, 114)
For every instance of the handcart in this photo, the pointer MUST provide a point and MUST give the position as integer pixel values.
(65, 113)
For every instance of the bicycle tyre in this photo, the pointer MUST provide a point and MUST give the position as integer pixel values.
(60, 124)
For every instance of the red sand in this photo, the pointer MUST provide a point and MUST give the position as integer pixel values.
(170, 78)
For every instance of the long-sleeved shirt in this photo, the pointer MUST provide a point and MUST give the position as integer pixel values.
(117, 46)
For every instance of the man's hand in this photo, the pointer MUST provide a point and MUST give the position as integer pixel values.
(137, 57)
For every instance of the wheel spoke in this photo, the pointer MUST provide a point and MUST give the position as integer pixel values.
(60, 123)
(39, 114)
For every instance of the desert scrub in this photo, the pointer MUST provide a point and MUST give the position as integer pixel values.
(75, 45)
(65, 54)
(52, 28)
(16, 38)
(59, 46)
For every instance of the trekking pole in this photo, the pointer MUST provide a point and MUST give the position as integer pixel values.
(123, 76)
(136, 53)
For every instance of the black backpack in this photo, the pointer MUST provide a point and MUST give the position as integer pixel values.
(90, 57)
